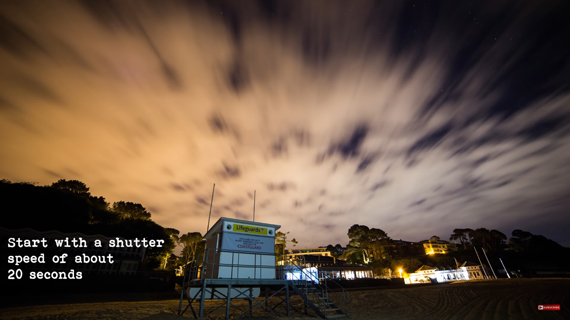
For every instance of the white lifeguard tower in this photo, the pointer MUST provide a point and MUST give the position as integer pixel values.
(240, 263)
(239, 249)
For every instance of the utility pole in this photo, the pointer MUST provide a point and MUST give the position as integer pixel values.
(254, 205)
(481, 263)
(211, 202)
(490, 266)
(506, 271)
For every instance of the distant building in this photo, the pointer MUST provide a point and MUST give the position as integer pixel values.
(467, 271)
(309, 251)
(331, 272)
(321, 264)
(346, 272)
(311, 255)
(438, 246)
(317, 261)
(404, 249)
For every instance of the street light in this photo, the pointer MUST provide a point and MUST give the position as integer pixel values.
(400, 272)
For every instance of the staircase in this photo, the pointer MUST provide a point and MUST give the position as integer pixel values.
(316, 297)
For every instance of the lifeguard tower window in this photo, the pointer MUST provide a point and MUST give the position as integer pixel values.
(240, 249)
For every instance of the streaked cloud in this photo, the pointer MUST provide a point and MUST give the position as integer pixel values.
(416, 119)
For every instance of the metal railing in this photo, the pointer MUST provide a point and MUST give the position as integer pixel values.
(227, 264)
(323, 284)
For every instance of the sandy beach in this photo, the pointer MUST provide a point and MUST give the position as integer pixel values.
(498, 299)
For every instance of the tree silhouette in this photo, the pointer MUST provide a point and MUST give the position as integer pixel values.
(281, 243)
(192, 242)
(524, 241)
(462, 235)
(434, 239)
(491, 240)
(166, 254)
(131, 210)
(72, 186)
(366, 243)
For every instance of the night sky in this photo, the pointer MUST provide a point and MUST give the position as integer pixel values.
(415, 117)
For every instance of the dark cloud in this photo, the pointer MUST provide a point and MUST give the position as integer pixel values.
(302, 138)
(154, 210)
(111, 14)
(39, 89)
(481, 161)
(430, 140)
(328, 226)
(462, 145)
(67, 54)
(264, 204)
(7, 106)
(169, 73)
(171, 76)
(316, 45)
(276, 12)
(279, 148)
(468, 185)
(72, 174)
(230, 172)
(242, 216)
(237, 202)
(202, 201)
(115, 15)
(181, 187)
(542, 151)
(216, 213)
(53, 174)
(379, 185)
(518, 44)
(218, 123)
(17, 40)
(543, 127)
(349, 147)
(364, 163)
(231, 15)
(531, 74)
(283, 186)
(502, 183)
(237, 77)
(417, 203)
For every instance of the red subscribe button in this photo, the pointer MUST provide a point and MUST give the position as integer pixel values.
(555, 307)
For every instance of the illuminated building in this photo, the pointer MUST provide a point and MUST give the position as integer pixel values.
(467, 271)
(438, 247)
